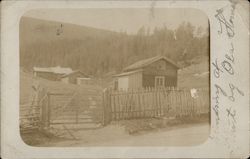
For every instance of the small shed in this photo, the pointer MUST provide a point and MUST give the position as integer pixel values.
(157, 72)
(51, 73)
(75, 77)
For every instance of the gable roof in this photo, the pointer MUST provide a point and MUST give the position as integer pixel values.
(56, 70)
(145, 62)
(73, 72)
(127, 73)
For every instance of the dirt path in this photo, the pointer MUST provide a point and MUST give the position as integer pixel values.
(115, 135)
(192, 135)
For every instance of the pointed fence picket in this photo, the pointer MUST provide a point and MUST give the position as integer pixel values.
(152, 102)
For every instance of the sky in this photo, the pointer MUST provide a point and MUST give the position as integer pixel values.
(123, 19)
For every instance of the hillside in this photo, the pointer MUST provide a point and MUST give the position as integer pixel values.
(43, 31)
(98, 52)
(41, 45)
(195, 75)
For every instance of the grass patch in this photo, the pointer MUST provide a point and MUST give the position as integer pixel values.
(137, 126)
(36, 138)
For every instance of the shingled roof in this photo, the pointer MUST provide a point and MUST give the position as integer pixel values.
(146, 62)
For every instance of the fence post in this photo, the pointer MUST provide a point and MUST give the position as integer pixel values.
(103, 107)
(112, 104)
(48, 112)
(107, 114)
(45, 112)
(109, 108)
(104, 102)
(77, 99)
(41, 105)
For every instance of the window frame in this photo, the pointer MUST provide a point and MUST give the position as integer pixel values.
(159, 80)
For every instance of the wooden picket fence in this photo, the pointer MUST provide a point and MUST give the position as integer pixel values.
(31, 117)
(151, 102)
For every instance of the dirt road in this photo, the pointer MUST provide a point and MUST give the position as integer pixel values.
(115, 135)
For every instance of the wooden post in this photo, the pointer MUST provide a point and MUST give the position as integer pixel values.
(118, 105)
(145, 102)
(133, 103)
(172, 103)
(144, 106)
(44, 107)
(103, 108)
(77, 107)
(112, 103)
(158, 102)
(155, 102)
(107, 110)
(48, 112)
(140, 94)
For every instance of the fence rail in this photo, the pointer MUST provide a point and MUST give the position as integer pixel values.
(31, 113)
(152, 102)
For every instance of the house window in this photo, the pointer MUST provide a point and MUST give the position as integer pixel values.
(159, 81)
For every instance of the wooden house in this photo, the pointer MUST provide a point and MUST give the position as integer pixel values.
(76, 77)
(157, 72)
(51, 73)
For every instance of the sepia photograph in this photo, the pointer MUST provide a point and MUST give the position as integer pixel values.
(114, 77)
(125, 79)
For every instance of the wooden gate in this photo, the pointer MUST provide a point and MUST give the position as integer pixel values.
(74, 110)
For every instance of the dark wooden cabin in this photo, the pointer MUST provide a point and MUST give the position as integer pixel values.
(157, 72)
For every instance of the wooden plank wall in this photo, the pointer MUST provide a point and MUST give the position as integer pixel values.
(151, 102)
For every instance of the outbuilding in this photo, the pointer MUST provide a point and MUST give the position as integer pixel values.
(76, 77)
(51, 73)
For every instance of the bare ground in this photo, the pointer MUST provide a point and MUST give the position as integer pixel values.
(115, 135)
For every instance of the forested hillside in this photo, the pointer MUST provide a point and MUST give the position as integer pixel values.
(97, 52)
